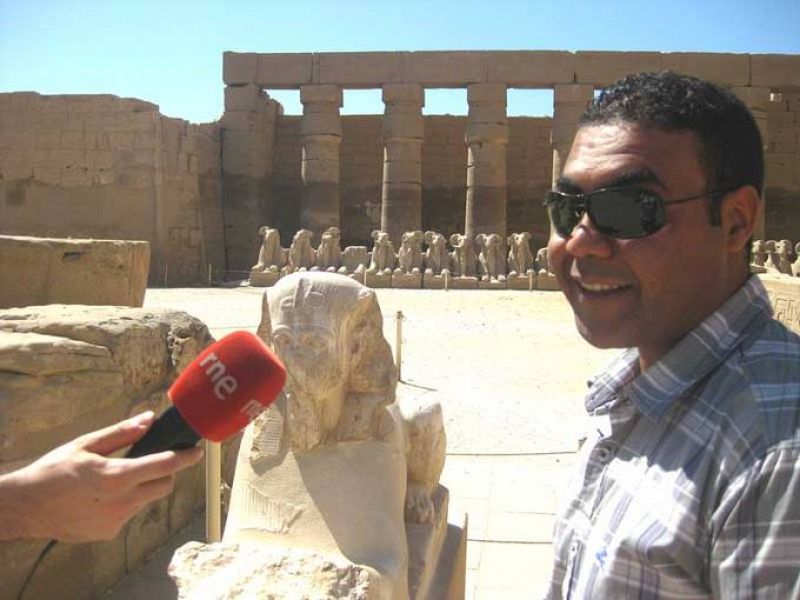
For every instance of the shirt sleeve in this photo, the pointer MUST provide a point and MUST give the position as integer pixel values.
(755, 546)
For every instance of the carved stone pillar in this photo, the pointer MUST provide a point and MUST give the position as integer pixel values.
(321, 135)
(756, 99)
(486, 138)
(248, 136)
(401, 194)
(569, 103)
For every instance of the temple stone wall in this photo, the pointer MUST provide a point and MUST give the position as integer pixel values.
(103, 167)
(783, 167)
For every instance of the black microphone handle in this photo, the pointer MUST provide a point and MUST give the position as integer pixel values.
(169, 432)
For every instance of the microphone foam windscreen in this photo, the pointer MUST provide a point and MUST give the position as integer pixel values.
(227, 385)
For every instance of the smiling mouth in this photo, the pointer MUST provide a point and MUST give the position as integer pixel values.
(602, 288)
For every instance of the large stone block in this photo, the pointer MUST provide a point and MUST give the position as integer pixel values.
(534, 69)
(411, 93)
(726, 69)
(779, 71)
(604, 68)
(243, 97)
(284, 70)
(444, 69)
(320, 94)
(38, 271)
(363, 69)
(239, 68)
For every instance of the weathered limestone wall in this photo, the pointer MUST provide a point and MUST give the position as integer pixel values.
(99, 166)
(444, 175)
(190, 216)
(783, 167)
(64, 371)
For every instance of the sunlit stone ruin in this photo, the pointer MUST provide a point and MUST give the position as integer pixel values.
(102, 167)
(336, 490)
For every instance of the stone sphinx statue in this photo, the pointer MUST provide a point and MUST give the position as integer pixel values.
(271, 258)
(464, 256)
(783, 250)
(337, 467)
(437, 257)
(383, 255)
(382, 261)
(408, 273)
(545, 280)
(409, 257)
(796, 263)
(758, 257)
(520, 259)
(301, 253)
(491, 257)
(772, 260)
(329, 252)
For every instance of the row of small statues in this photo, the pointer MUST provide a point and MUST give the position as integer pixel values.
(483, 256)
(770, 256)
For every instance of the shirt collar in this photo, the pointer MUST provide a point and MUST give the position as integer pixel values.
(688, 361)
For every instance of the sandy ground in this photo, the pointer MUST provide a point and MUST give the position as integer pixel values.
(510, 372)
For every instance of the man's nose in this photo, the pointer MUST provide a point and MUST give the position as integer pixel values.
(586, 240)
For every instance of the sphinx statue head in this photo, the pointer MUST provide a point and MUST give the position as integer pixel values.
(328, 331)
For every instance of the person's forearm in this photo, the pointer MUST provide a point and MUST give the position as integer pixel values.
(15, 502)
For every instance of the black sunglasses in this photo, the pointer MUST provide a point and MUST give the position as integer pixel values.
(623, 213)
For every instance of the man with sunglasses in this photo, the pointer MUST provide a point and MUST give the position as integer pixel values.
(688, 485)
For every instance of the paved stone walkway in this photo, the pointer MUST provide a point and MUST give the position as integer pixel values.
(509, 370)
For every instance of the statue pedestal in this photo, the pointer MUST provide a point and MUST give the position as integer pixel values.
(463, 283)
(433, 282)
(264, 278)
(407, 280)
(378, 280)
(522, 282)
(492, 284)
(547, 281)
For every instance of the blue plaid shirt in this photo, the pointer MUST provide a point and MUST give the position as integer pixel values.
(689, 483)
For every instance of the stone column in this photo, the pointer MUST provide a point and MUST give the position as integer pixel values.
(248, 136)
(321, 135)
(569, 103)
(401, 194)
(756, 99)
(486, 138)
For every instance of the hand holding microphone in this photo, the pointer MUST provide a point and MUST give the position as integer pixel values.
(78, 493)
(217, 395)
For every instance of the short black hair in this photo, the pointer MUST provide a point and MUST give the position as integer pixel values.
(730, 147)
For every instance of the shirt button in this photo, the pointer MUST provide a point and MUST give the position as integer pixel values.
(604, 454)
(573, 547)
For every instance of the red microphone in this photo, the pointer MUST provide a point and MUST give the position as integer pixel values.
(220, 392)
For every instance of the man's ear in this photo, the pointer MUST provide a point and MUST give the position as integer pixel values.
(740, 210)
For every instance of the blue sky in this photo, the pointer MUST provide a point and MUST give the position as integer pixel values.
(170, 52)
